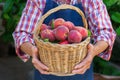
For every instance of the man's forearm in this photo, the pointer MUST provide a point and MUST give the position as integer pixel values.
(27, 48)
(99, 47)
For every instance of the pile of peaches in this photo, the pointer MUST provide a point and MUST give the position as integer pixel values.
(62, 32)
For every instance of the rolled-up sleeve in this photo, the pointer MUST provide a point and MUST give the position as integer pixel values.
(24, 30)
(100, 25)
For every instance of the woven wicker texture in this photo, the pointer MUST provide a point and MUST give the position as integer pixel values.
(61, 59)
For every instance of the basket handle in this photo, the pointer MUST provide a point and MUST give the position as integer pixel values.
(63, 6)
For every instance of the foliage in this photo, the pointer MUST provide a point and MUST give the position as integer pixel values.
(118, 30)
(11, 14)
(2, 0)
(113, 7)
(105, 67)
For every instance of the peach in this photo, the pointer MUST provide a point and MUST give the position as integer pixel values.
(81, 30)
(68, 24)
(74, 36)
(58, 22)
(43, 27)
(61, 33)
(49, 27)
(64, 42)
(47, 34)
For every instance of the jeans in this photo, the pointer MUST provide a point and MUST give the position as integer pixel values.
(88, 75)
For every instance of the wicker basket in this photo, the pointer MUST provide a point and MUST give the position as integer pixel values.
(61, 58)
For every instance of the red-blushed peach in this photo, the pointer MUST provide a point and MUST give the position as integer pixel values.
(68, 24)
(43, 27)
(58, 22)
(49, 27)
(81, 30)
(64, 42)
(74, 36)
(61, 33)
(47, 34)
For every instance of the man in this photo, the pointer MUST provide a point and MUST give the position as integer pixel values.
(99, 24)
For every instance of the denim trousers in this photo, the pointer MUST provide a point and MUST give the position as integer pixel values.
(88, 75)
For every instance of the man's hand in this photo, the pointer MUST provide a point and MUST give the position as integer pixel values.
(36, 62)
(31, 50)
(93, 50)
(86, 63)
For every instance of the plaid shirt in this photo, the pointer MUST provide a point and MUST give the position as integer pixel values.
(95, 12)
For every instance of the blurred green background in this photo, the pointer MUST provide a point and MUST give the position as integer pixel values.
(11, 13)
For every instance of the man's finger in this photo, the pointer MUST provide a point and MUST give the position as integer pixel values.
(36, 62)
(81, 70)
(41, 70)
(34, 51)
